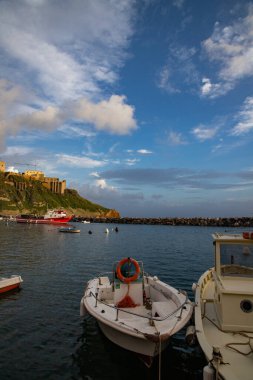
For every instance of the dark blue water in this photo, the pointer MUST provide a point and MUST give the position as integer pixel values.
(42, 335)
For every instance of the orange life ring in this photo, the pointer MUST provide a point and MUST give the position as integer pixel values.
(120, 276)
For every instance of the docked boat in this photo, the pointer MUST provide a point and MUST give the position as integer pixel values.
(86, 221)
(10, 283)
(71, 230)
(224, 309)
(135, 310)
(51, 217)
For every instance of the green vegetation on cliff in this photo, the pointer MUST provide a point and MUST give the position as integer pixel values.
(35, 198)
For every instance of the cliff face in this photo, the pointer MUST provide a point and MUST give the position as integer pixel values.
(35, 198)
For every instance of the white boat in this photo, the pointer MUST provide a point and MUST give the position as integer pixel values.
(86, 221)
(71, 230)
(10, 283)
(135, 310)
(224, 309)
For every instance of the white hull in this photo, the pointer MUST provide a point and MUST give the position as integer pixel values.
(144, 329)
(10, 283)
(132, 343)
(224, 329)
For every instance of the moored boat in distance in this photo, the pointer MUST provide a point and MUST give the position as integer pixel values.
(10, 283)
(135, 310)
(224, 309)
(51, 217)
(72, 230)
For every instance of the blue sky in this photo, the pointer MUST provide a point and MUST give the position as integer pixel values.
(144, 106)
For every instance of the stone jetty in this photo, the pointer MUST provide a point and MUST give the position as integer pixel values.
(215, 222)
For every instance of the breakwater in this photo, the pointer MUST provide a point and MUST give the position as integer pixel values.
(215, 222)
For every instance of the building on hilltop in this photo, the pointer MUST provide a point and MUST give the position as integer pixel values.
(51, 183)
(54, 185)
(34, 174)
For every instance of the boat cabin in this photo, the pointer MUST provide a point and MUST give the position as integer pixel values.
(233, 281)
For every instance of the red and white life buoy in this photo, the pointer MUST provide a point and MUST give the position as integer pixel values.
(124, 279)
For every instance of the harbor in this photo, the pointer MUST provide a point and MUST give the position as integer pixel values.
(55, 269)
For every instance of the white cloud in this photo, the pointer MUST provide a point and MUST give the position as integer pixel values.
(180, 71)
(178, 3)
(17, 151)
(176, 138)
(53, 57)
(77, 161)
(131, 161)
(74, 132)
(12, 169)
(232, 48)
(102, 184)
(94, 174)
(144, 151)
(202, 133)
(245, 119)
(67, 51)
(114, 115)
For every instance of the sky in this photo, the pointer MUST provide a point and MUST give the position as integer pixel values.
(143, 106)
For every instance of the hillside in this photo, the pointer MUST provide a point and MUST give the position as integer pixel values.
(36, 199)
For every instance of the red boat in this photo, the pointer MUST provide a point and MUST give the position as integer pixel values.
(7, 284)
(51, 217)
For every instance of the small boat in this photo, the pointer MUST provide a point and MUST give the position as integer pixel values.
(10, 283)
(71, 230)
(135, 310)
(224, 309)
(51, 217)
(86, 221)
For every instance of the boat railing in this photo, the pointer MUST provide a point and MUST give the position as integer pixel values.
(151, 318)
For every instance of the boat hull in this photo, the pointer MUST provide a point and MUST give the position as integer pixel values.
(135, 344)
(8, 284)
(44, 221)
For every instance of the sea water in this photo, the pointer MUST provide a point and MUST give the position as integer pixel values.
(41, 333)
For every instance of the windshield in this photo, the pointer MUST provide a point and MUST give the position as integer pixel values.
(237, 259)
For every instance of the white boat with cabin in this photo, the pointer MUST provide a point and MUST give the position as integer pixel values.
(135, 310)
(224, 309)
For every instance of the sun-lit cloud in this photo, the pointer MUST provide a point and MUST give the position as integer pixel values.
(113, 116)
(231, 47)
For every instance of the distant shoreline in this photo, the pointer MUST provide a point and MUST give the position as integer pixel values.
(208, 222)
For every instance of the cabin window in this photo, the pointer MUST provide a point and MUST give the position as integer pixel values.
(246, 306)
(236, 260)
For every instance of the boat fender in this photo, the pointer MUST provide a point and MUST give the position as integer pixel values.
(194, 287)
(190, 335)
(83, 310)
(155, 278)
(208, 372)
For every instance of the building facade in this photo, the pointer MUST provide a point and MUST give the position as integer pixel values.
(2, 166)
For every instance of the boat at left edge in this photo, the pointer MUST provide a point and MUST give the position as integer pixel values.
(10, 283)
(51, 217)
(134, 310)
